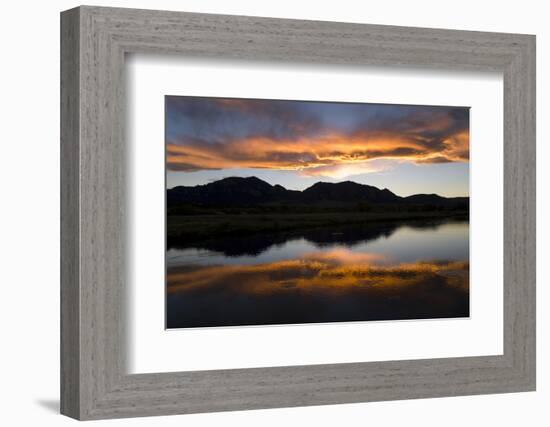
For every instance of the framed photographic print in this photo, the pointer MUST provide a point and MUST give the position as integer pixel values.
(263, 213)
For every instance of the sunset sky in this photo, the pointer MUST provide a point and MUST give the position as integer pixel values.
(407, 149)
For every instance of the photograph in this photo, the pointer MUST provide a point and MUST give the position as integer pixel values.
(296, 212)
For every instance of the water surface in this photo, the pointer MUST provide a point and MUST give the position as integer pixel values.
(379, 271)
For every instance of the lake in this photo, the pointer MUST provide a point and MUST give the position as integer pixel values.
(376, 271)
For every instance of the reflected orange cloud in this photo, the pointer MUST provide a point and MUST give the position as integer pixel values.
(343, 256)
(334, 272)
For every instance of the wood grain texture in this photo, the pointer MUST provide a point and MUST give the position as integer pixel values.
(70, 333)
(95, 383)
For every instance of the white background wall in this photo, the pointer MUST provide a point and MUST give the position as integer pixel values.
(29, 224)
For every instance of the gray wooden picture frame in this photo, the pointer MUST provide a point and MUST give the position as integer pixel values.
(94, 381)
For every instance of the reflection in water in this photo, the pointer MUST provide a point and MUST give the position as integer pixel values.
(411, 273)
(357, 234)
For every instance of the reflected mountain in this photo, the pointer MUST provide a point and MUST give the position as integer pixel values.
(348, 236)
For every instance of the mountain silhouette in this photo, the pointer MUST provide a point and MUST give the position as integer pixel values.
(252, 191)
(348, 191)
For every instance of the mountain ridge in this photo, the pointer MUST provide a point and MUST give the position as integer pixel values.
(238, 191)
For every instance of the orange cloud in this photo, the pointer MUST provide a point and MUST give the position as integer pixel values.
(333, 154)
(313, 138)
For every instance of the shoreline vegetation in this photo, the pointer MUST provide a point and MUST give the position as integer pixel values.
(248, 207)
(187, 230)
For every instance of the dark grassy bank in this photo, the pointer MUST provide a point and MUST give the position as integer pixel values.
(185, 229)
